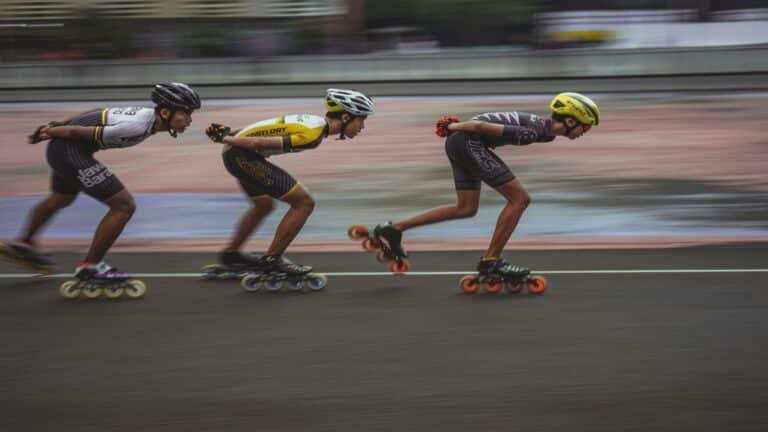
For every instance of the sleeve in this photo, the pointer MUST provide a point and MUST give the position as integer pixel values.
(521, 135)
(304, 139)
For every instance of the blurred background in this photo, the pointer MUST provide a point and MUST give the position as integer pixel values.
(680, 152)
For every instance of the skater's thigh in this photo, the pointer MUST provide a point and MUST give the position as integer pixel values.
(466, 176)
(256, 175)
(468, 198)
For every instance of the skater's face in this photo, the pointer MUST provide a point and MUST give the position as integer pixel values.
(181, 120)
(354, 127)
(578, 130)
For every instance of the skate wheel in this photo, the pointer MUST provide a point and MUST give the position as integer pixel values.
(492, 287)
(537, 284)
(70, 289)
(114, 291)
(135, 289)
(251, 283)
(356, 232)
(468, 284)
(370, 244)
(381, 257)
(513, 288)
(317, 282)
(294, 286)
(92, 291)
(273, 285)
(399, 268)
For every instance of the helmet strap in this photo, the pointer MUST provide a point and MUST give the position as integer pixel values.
(344, 124)
(167, 123)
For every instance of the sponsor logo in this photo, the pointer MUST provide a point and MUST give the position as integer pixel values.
(93, 175)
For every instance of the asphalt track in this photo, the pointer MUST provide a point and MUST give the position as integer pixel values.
(623, 340)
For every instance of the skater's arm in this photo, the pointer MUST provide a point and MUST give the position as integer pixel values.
(516, 135)
(259, 144)
(477, 126)
(40, 133)
(74, 133)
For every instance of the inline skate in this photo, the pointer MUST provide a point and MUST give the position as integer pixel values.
(28, 257)
(497, 274)
(274, 272)
(94, 280)
(385, 241)
(231, 265)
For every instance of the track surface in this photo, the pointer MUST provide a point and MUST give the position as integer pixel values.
(634, 351)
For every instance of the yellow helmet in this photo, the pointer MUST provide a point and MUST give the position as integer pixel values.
(578, 106)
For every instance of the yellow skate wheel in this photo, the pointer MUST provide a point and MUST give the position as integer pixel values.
(135, 289)
(251, 283)
(537, 284)
(114, 291)
(70, 289)
(273, 285)
(316, 282)
(92, 291)
(356, 232)
(468, 284)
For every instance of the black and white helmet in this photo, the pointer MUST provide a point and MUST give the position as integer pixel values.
(350, 101)
(176, 96)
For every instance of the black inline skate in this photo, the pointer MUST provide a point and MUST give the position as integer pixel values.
(97, 279)
(493, 275)
(232, 265)
(28, 257)
(385, 240)
(275, 271)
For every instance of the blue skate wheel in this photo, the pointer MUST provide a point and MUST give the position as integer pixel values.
(317, 282)
(251, 283)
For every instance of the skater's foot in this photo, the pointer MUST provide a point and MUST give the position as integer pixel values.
(238, 259)
(28, 253)
(282, 264)
(391, 237)
(99, 271)
(498, 266)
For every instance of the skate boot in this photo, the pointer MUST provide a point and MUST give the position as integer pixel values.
(495, 274)
(232, 265)
(275, 271)
(386, 241)
(93, 280)
(28, 257)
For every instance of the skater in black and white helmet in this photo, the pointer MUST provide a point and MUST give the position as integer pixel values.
(72, 144)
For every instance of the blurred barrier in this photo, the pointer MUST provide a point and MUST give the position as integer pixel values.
(382, 68)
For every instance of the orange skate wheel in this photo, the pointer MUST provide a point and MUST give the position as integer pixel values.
(468, 285)
(399, 268)
(381, 257)
(356, 232)
(537, 284)
(513, 288)
(370, 245)
(492, 287)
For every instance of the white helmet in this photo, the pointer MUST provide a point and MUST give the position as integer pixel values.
(350, 101)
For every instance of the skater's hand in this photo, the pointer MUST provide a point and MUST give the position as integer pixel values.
(217, 132)
(40, 134)
(441, 129)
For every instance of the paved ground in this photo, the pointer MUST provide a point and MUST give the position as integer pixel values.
(600, 351)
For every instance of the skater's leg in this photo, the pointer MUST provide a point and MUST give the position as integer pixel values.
(262, 206)
(42, 214)
(517, 201)
(302, 205)
(121, 208)
(467, 202)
